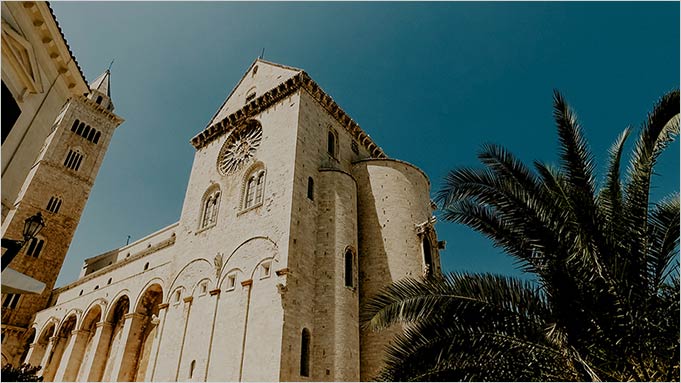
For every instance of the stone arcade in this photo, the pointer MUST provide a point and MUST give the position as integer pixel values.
(292, 218)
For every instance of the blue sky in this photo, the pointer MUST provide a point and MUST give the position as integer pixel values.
(430, 82)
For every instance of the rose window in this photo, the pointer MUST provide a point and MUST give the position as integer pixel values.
(240, 148)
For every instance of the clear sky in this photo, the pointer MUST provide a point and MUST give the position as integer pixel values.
(430, 82)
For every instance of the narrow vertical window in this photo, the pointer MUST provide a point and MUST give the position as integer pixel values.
(91, 136)
(86, 131)
(310, 188)
(427, 257)
(96, 137)
(10, 301)
(349, 277)
(191, 369)
(35, 247)
(331, 144)
(81, 126)
(99, 100)
(75, 125)
(305, 353)
(259, 186)
(54, 204)
(250, 192)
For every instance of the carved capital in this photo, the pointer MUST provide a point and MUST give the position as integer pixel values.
(163, 306)
(247, 282)
(215, 292)
(188, 299)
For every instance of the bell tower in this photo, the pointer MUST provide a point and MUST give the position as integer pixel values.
(58, 187)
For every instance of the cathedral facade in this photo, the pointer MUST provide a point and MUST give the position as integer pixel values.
(292, 219)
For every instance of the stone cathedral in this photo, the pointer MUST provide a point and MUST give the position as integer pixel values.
(292, 219)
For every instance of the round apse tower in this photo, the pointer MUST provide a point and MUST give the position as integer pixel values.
(396, 239)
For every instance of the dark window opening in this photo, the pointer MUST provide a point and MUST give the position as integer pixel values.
(96, 138)
(11, 301)
(355, 147)
(331, 144)
(305, 353)
(310, 188)
(35, 247)
(191, 369)
(99, 99)
(146, 266)
(349, 280)
(427, 256)
(75, 125)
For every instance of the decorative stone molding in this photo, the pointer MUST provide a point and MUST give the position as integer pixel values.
(283, 90)
(247, 282)
(188, 299)
(214, 292)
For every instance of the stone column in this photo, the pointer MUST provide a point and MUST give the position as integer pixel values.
(187, 311)
(162, 313)
(32, 354)
(72, 357)
(93, 367)
(215, 293)
(124, 361)
(46, 356)
(52, 358)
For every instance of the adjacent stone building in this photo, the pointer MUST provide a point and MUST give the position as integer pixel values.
(293, 218)
(55, 132)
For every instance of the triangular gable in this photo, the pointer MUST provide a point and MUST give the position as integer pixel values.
(21, 57)
(267, 76)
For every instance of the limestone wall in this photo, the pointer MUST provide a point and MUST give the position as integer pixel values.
(393, 199)
(37, 86)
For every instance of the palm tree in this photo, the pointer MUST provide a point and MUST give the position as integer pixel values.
(605, 301)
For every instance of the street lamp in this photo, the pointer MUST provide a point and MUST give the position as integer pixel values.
(32, 226)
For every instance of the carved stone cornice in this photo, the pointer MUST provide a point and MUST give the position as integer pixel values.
(102, 110)
(52, 37)
(274, 95)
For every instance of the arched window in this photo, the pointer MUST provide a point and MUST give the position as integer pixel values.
(331, 144)
(310, 188)
(305, 353)
(349, 275)
(35, 247)
(255, 188)
(75, 125)
(91, 136)
(96, 138)
(86, 131)
(81, 126)
(427, 256)
(73, 159)
(211, 204)
(146, 266)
